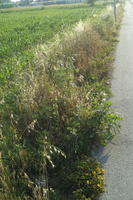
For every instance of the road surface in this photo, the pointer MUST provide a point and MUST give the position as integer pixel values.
(117, 157)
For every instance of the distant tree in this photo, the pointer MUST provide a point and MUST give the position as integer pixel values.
(5, 1)
(41, 0)
(25, 2)
(91, 2)
(6, 4)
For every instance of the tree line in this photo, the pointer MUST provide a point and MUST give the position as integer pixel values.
(9, 3)
(21, 1)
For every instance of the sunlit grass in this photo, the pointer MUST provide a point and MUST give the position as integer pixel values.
(23, 28)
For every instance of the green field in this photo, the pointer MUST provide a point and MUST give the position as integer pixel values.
(23, 28)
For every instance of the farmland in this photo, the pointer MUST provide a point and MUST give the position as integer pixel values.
(22, 29)
(55, 65)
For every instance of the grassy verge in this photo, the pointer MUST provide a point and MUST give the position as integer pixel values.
(56, 113)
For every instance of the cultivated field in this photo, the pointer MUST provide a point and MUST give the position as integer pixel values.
(23, 28)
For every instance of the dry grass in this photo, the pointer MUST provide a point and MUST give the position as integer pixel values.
(59, 87)
(76, 49)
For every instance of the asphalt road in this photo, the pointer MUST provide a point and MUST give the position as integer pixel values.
(117, 157)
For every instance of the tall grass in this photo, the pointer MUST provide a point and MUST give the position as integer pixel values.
(55, 113)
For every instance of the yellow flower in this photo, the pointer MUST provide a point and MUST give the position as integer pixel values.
(98, 185)
(94, 173)
(88, 182)
(102, 171)
(86, 174)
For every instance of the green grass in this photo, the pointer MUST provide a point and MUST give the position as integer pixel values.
(24, 28)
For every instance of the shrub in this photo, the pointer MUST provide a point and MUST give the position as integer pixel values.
(87, 179)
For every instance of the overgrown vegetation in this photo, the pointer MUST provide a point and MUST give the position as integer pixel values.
(22, 29)
(55, 113)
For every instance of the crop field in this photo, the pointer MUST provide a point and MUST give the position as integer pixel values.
(23, 28)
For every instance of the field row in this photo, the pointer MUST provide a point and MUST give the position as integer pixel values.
(24, 28)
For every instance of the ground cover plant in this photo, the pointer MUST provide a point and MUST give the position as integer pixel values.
(55, 113)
